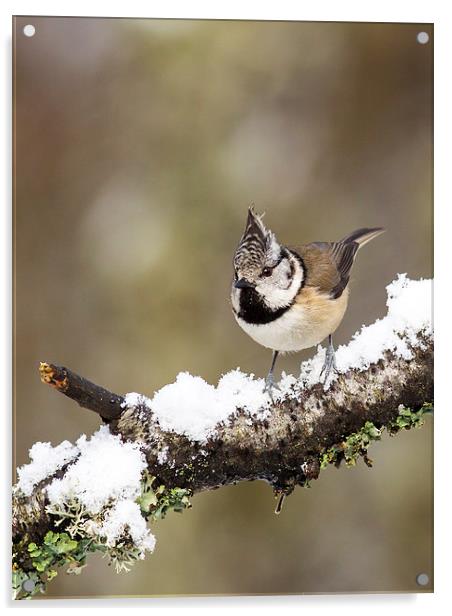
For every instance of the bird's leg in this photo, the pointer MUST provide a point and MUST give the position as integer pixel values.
(330, 360)
(269, 383)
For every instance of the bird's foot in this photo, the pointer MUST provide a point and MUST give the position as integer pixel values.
(270, 386)
(329, 364)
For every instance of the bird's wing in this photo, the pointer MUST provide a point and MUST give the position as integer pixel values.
(328, 265)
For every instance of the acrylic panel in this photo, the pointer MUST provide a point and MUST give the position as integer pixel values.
(145, 152)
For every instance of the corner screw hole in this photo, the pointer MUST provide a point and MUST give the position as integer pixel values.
(28, 586)
(29, 30)
(423, 38)
(422, 579)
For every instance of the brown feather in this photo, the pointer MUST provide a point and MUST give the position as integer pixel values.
(321, 315)
(320, 270)
(328, 264)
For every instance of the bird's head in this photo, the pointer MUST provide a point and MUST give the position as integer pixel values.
(263, 265)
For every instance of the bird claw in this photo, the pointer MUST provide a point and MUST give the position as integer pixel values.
(329, 364)
(270, 385)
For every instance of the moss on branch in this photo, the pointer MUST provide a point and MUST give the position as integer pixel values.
(73, 537)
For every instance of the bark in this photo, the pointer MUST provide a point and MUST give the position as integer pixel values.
(86, 394)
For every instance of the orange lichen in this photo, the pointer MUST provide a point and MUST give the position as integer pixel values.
(50, 377)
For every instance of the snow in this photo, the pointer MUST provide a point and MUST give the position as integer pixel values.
(162, 455)
(45, 460)
(107, 469)
(192, 407)
(133, 400)
(104, 478)
(125, 517)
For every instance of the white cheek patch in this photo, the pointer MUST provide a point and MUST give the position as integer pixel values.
(275, 295)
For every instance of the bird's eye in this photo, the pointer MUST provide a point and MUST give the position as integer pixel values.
(267, 271)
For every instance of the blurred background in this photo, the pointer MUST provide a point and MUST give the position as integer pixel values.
(139, 145)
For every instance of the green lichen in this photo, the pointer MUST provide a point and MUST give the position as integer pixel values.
(35, 564)
(157, 500)
(407, 419)
(357, 443)
(56, 550)
(352, 448)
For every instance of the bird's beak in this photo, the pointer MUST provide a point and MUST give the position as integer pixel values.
(243, 284)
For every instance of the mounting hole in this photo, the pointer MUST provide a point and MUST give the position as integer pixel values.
(28, 586)
(423, 38)
(29, 30)
(422, 579)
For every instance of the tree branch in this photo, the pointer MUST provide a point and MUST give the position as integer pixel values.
(86, 394)
(283, 448)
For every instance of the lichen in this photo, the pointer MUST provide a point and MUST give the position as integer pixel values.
(41, 561)
(156, 500)
(407, 418)
(76, 533)
(357, 443)
(73, 532)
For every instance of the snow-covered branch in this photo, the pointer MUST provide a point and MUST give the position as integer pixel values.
(192, 436)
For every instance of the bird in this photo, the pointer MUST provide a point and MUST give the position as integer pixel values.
(290, 299)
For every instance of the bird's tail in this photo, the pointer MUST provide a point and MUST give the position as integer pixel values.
(362, 236)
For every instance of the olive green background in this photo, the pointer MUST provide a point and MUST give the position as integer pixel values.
(139, 145)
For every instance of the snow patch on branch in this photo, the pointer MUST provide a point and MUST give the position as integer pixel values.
(125, 517)
(102, 483)
(192, 407)
(132, 400)
(45, 460)
(107, 469)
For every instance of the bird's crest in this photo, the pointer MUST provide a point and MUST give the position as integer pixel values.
(257, 246)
